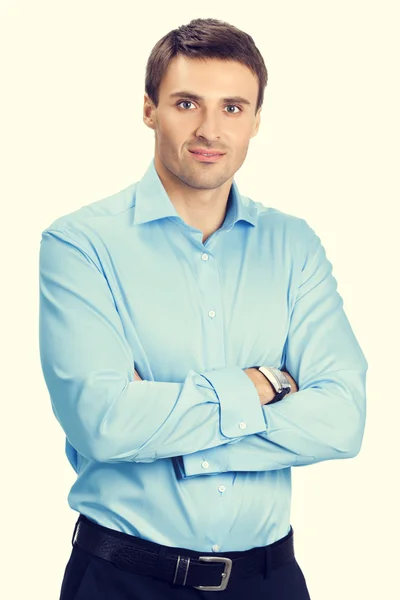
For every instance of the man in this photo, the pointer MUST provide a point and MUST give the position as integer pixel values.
(195, 348)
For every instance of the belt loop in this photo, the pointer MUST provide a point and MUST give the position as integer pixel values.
(176, 568)
(267, 562)
(182, 565)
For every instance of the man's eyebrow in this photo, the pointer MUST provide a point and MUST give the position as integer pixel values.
(193, 96)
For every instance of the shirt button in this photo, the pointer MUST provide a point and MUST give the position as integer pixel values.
(221, 489)
(205, 464)
(242, 425)
(211, 313)
(215, 548)
(204, 256)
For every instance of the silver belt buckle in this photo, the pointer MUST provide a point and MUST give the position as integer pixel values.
(225, 575)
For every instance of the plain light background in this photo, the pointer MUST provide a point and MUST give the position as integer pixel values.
(328, 150)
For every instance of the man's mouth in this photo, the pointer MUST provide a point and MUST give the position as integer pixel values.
(207, 156)
(207, 153)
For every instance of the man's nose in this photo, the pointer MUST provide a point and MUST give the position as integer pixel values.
(209, 126)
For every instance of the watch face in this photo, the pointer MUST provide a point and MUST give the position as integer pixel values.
(278, 380)
(283, 380)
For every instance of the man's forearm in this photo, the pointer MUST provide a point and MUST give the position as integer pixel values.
(264, 388)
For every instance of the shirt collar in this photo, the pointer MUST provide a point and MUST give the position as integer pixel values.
(153, 202)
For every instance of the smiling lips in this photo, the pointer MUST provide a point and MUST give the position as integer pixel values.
(205, 152)
(205, 156)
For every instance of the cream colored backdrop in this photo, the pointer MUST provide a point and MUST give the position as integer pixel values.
(328, 150)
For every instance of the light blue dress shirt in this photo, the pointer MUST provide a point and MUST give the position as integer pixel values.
(188, 457)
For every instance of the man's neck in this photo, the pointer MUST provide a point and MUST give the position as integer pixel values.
(203, 209)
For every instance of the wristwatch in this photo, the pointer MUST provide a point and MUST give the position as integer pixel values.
(279, 382)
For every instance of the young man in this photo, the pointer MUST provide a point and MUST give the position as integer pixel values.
(195, 348)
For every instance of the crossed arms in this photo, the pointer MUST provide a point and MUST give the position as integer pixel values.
(109, 416)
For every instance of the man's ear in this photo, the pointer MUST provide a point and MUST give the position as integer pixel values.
(148, 112)
(257, 122)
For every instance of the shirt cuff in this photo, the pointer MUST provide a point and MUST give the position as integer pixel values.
(240, 409)
(206, 462)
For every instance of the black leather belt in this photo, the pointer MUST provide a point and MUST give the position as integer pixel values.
(179, 566)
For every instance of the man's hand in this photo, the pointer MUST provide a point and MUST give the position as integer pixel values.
(264, 388)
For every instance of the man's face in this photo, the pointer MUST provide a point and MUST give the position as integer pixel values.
(202, 106)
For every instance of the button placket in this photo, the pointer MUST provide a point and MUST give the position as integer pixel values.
(204, 257)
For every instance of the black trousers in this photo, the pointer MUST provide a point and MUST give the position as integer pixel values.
(88, 577)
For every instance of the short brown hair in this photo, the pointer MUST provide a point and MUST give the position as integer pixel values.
(204, 38)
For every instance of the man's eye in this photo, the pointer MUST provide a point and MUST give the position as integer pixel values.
(233, 106)
(184, 102)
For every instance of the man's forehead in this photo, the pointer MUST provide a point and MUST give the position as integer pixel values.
(210, 77)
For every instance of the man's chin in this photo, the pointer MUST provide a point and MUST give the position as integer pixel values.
(201, 179)
(204, 183)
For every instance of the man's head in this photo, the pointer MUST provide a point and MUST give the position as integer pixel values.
(204, 88)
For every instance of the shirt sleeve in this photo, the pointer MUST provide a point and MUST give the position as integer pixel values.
(88, 368)
(325, 419)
